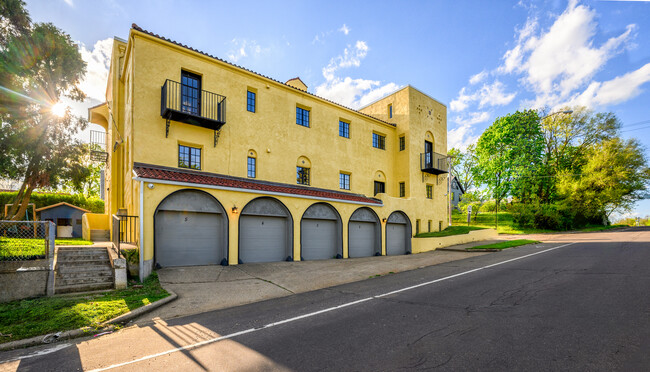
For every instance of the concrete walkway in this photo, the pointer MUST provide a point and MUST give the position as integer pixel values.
(206, 288)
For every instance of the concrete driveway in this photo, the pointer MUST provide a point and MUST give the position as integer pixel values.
(206, 288)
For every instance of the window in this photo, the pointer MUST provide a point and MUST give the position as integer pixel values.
(378, 141)
(429, 226)
(251, 167)
(77, 221)
(428, 154)
(344, 181)
(390, 111)
(302, 175)
(189, 157)
(417, 227)
(429, 192)
(190, 93)
(380, 187)
(302, 116)
(402, 189)
(402, 143)
(452, 195)
(344, 129)
(250, 101)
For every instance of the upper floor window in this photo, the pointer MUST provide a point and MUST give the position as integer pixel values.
(302, 175)
(250, 101)
(344, 129)
(378, 141)
(189, 157)
(390, 111)
(402, 189)
(429, 191)
(344, 181)
(380, 187)
(428, 154)
(190, 93)
(402, 143)
(302, 116)
(251, 165)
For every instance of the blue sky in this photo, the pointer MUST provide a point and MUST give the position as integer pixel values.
(483, 59)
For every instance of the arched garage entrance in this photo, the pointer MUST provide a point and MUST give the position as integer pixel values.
(398, 234)
(190, 228)
(320, 233)
(265, 231)
(364, 233)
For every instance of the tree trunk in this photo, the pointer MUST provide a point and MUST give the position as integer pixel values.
(23, 204)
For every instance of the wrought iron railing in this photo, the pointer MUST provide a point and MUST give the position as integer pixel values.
(125, 230)
(98, 146)
(432, 162)
(209, 106)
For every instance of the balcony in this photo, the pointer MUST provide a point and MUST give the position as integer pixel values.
(434, 163)
(98, 146)
(207, 111)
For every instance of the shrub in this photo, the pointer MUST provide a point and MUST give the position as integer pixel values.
(489, 206)
(43, 199)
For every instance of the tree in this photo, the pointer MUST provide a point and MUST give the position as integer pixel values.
(39, 65)
(462, 166)
(508, 153)
(614, 177)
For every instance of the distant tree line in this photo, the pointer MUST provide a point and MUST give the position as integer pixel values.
(559, 171)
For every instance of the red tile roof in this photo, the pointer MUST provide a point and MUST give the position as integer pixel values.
(138, 28)
(157, 172)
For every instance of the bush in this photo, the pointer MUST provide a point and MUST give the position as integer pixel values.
(43, 199)
(489, 206)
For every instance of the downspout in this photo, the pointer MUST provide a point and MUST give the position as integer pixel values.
(141, 218)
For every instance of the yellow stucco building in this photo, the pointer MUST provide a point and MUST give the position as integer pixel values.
(220, 164)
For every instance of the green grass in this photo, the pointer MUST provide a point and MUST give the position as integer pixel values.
(504, 245)
(32, 248)
(34, 317)
(601, 228)
(451, 230)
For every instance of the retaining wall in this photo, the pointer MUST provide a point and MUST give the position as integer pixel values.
(23, 279)
(420, 245)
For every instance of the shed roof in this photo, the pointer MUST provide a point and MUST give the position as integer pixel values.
(62, 204)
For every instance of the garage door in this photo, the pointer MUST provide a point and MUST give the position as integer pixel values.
(320, 233)
(262, 239)
(395, 239)
(397, 234)
(264, 232)
(190, 229)
(363, 233)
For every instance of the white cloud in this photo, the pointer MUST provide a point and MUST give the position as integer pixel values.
(478, 77)
(98, 61)
(461, 137)
(243, 48)
(69, 2)
(344, 29)
(473, 118)
(617, 90)
(488, 95)
(353, 93)
(351, 57)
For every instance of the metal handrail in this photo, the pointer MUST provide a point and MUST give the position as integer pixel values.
(433, 160)
(210, 105)
(124, 231)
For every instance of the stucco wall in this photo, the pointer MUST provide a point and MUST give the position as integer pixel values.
(23, 279)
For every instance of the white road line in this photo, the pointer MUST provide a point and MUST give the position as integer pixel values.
(251, 330)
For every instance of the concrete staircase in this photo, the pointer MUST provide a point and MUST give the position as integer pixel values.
(100, 235)
(82, 269)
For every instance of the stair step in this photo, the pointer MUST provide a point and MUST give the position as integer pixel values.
(65, 282)
(82, 268)
(99, 235)
(86, 257)
(82, 287)
(84, 274)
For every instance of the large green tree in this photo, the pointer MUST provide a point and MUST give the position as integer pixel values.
(508, 153)
(39, 65)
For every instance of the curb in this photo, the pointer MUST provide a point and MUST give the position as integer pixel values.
(107, 326)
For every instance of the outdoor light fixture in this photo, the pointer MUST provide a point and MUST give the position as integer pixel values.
(384, 220)
(234, 209)
(150, 186)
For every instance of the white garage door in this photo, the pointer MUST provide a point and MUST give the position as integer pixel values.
(362, 239)
(395, 239)
(319, 240)
(188, 238)
(262, 239)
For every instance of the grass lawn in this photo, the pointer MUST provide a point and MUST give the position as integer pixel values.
(504, 245)
(32, 248)
(601, 228)
(451, 230)
(43, 315)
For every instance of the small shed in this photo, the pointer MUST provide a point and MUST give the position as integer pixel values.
(67, 218)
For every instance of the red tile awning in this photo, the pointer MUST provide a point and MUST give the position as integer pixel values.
(156, 172)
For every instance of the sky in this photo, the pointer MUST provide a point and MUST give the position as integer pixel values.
(482, 59)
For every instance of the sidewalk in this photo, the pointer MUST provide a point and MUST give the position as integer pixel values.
(207, 288)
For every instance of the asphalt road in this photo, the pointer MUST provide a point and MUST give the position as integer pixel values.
(582, 305)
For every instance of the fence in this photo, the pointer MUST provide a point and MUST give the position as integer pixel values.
(125, 230)
(26, 240)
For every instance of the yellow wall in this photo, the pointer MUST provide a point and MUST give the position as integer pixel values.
(140, 67)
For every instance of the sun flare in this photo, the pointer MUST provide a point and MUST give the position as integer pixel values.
(59, 109)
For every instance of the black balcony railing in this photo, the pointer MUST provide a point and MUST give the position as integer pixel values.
(208, 111)
(98, 146)
(434, 163)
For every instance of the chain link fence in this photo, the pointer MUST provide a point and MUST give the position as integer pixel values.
(26, 240)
